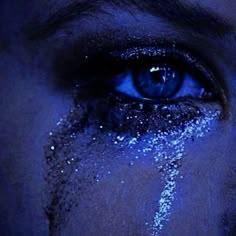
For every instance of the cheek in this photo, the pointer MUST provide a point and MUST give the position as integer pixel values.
(84, 158)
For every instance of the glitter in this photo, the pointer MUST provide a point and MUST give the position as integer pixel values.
(154, 69)
(175, 145)
(140, 106)
(166, 146)
(120, 138)
(133, 141)
(52, 148)
(131, 163)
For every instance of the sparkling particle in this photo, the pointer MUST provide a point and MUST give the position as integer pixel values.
(133, 141)
(120, 138)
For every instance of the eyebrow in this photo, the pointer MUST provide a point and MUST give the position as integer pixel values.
(192, 17)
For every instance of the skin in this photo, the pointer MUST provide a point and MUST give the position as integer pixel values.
(32, 102)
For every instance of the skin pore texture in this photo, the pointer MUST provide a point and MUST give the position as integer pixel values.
(77, 163)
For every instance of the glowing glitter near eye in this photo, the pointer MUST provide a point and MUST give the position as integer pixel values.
(133, 141)
(119, 138)
(154, 69)
(176, 142)
(140, 106)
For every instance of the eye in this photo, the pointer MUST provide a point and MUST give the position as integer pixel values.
(158, 82)
(163, 74)
(141, 89)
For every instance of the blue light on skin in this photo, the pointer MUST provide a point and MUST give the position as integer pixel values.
(31, 105)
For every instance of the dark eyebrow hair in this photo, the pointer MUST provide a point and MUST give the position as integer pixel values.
(192, 17)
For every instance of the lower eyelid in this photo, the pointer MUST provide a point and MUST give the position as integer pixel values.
(120, 115)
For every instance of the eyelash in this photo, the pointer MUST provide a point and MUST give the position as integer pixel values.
(122, 113)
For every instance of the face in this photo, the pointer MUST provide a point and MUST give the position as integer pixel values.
(118, 118)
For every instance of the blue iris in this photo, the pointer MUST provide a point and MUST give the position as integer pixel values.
(158, 81)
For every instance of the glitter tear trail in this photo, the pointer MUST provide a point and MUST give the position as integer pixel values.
(172, 161)
(167, 197)
(164, 147)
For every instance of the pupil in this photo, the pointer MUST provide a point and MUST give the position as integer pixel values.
(160, 81)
